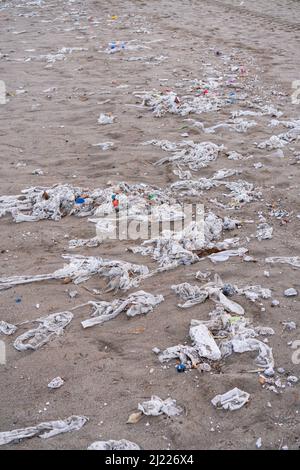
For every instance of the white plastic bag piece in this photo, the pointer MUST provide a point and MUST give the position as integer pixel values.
(50, 326)
(204, 343)
(292, 260)
(44, 430)
(81, 268)
(194, 155)
(122, 444)
(106, 119)
(264, 232)
(226, 254)
(104, 145)
(57, 382)
(7, 328)
(194, 295)
(138, 303)
(156, 406)
(232, 400)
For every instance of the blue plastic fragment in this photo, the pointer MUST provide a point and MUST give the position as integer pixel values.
(180, 367)
(80, 200)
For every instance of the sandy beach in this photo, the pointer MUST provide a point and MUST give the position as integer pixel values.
(60, 71)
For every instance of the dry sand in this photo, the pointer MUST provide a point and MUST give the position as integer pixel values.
(106, 368)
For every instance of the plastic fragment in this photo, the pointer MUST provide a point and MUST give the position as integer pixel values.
(156, 406)
(44, 430)
(232, 400)
(57, 382)
(122, 444)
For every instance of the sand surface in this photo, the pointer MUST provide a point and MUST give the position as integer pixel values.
(53, 126)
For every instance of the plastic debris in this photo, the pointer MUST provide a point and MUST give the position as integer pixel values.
(232, 400)
(226, 254)
(58, 201)
(290, 292)
(162, 104)
(50, 326)
(258, 443)
(186, 246)
(138, 303)
(81, 268)
(44, 430)
(239, 336)
(292, 260)
(122, 444)
(38, 171)
(204, 343)
(292, 378)
(195, 156)
(90, 243)
(156, 406)
(241, 342)
(46, 203)
(106, 119)
(194, 295)
(181, 367)
(264, 232)
(289, 325)
(57, 382)
(104, 145)
(7, 328)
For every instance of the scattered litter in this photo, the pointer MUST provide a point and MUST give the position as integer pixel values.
(156, 406)
(106, 119)
(292, 378)
(204, 342)
(290, 292)
(50, 326)
(195, 156)
(136, 304)
(264, 232)
(7, 328)
(81, 268)
(156, 350)
(289, 325)
(161, 104)
(292, 260)
(225, 255)
(56, 383)
(180, 367)
(38, 171)
(258, 443)
(104, 145)
(123, 444)
(44, 430)
(194, 295)
(232, 400)
(73, 294)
